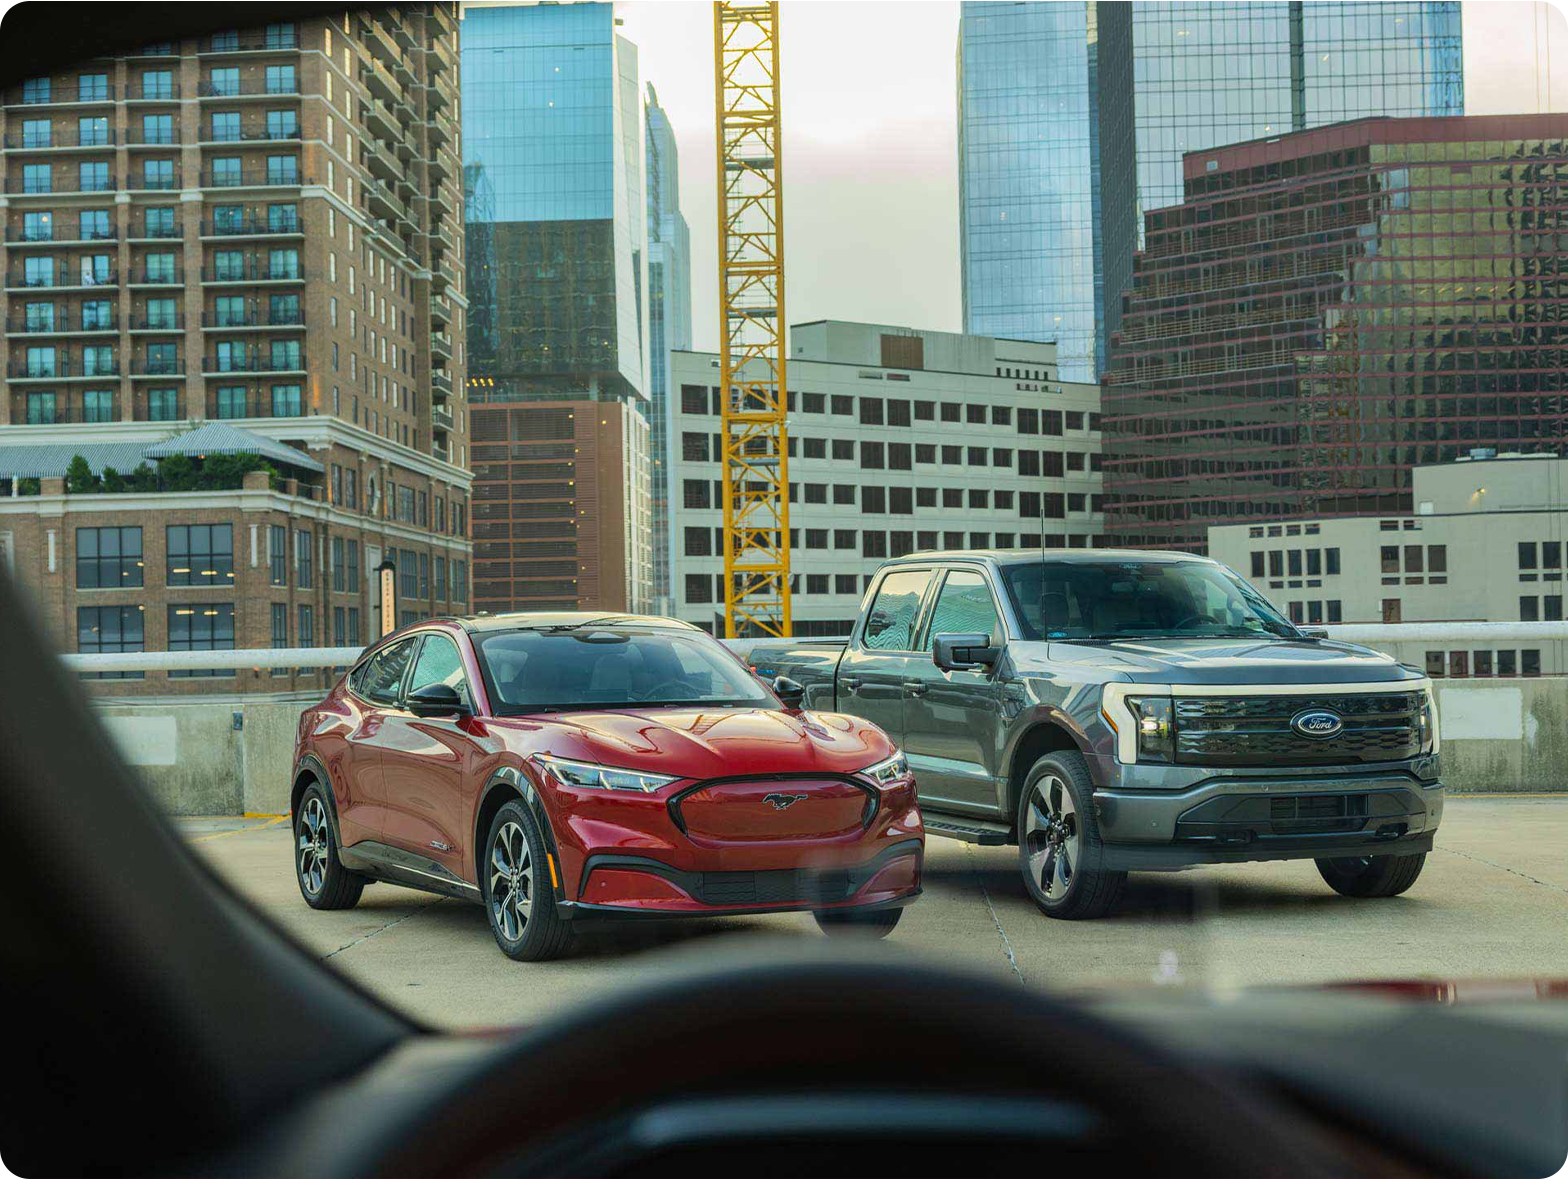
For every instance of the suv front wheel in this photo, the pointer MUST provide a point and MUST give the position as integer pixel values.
(1059, 848)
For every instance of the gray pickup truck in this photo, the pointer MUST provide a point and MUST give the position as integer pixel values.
(1110, 711)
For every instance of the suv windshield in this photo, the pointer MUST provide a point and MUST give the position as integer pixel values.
(1138, 599)
(539, 671)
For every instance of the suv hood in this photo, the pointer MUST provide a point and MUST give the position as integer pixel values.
(709, 742)
(1232, 661)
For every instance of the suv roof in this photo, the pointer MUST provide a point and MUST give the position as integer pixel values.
(535, 619)
(1022, 556)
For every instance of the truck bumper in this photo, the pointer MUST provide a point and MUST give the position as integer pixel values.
(1238, 819)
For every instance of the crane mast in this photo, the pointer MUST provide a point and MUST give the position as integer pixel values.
(751, 312)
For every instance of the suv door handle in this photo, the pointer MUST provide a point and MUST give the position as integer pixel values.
(849, 683)
(915, 687)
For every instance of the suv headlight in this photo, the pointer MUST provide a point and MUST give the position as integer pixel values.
(889, 773)
(1155, 724)
(1426, 722)
(594, 777)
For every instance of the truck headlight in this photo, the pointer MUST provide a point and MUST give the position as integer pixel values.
(892, 772)
(1426, 722)
(1154, 719)
(586, 775)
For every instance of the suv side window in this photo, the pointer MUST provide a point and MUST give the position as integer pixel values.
(383, 675)
(439, 663)
(964, 604)
(891, 617)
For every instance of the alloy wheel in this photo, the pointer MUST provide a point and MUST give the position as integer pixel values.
(511, 882)
(313, 843)
(1051, 836)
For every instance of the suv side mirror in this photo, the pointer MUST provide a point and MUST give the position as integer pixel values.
(963, 651)
(789, 692)
(436, 700)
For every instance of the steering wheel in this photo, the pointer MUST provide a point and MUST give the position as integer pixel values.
(659, 687)
(756, 1067)
(1190, 619)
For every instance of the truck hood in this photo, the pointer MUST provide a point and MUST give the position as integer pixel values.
(708, 742)
(1230, 661)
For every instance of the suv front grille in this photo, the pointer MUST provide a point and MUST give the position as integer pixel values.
(1256, 730)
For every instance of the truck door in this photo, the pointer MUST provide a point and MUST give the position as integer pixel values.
(951, 720)
(881, 652)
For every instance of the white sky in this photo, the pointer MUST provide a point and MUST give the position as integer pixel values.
(871, 144)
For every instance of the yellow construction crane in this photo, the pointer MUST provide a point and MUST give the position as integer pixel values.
(751, 314)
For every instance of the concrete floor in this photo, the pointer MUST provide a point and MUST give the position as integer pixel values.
(1492, 901)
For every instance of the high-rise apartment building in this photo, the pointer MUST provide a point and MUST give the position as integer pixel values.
(1049, 93)
(258, 228)
(553, 156)
(1326, 311)
(899, 440)
(669, 323)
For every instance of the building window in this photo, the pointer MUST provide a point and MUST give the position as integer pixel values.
(339, 627)
(304, 558)
(1481, 663)
(207, 627)
(337, 565)
(163, 405)
(200, 554)
(351, 574)
(280, 631)
(232, 401)
(307, 627)
(1257, 564)
(1527, 554)
(109, 629)
(281, 80)
(108, 558)
(699, 588)
(1529, 609)
(698, 542)
(98, 405)
(277, 554)
(286, 401)
(1333, 610)
(1530, 662)
(1390, 558)
(1507, 663)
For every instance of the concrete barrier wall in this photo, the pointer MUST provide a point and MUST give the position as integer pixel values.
(1498, 736)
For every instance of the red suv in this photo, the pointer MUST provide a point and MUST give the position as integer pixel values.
(559, 767)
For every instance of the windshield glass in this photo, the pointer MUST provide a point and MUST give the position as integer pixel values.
(537, 671)
(1139, 599)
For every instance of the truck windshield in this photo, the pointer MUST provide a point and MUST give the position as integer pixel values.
(611, 667)
(1139, 600)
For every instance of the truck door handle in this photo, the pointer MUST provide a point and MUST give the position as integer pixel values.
(848, 683)
(915, 687)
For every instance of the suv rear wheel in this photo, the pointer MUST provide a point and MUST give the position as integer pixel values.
(1059, 848)
(1371, 876)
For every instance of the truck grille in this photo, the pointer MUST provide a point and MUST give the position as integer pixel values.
(1256, 730)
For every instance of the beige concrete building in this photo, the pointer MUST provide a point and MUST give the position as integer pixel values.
(262, 227)
(1484, 544)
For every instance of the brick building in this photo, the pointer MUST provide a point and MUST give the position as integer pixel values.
(261, 227)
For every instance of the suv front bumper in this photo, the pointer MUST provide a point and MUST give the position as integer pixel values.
(1234, 818)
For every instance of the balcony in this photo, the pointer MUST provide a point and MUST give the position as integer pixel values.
(441, 346)
(20, 186)
(442, 277)
(251, 178)
(439, 166)
(440, 313)
(438, 128)
(20, 236)
(404, 75)
(401, 33)
(252, 226)
(153, 92)
(61, 94)
(438, 56)
(254, 269)
(155, 137)
(280, 42)
(248, 88)
(158, 278)
(378, 160)
(64, 138)
(441, 417)
(158, 366)
(62, 369)
(158, 323)
(251, 131)
(381, 122)
(440, 384)
(438, 21)
(251, 317)
(62, 325)
(379, 81)
(383, 204)
(146, 183)
(165, 409)
(376, 38)
(46, 411)
(440, 92)
(155, 233)
(251, 364)
(70, 280)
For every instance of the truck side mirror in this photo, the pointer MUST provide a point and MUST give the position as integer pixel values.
(963, 651)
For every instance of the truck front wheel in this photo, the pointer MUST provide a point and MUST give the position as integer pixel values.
(1059, 848)
(1371, 876)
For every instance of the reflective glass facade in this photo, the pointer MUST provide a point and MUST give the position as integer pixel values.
(1327, 310)
(1046, 92)
(669, 321)
(552, 124)
(1046, 184)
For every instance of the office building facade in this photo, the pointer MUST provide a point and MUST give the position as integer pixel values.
(258, 229)
(1484, 544)
(669, 323)
(1073, 118)
(899, 440)
(1329, 310)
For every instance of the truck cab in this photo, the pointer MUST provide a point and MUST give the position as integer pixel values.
(1110, 711)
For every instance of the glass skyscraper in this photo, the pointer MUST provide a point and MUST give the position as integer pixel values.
(552, 128)
(1037, 80)
(669, 321)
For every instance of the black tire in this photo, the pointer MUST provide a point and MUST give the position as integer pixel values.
(1372, 876)
(841, 923)
(1079, 887)
(530, 931)
(322, 880)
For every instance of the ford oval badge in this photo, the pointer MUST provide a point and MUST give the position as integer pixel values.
(1317, 722)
